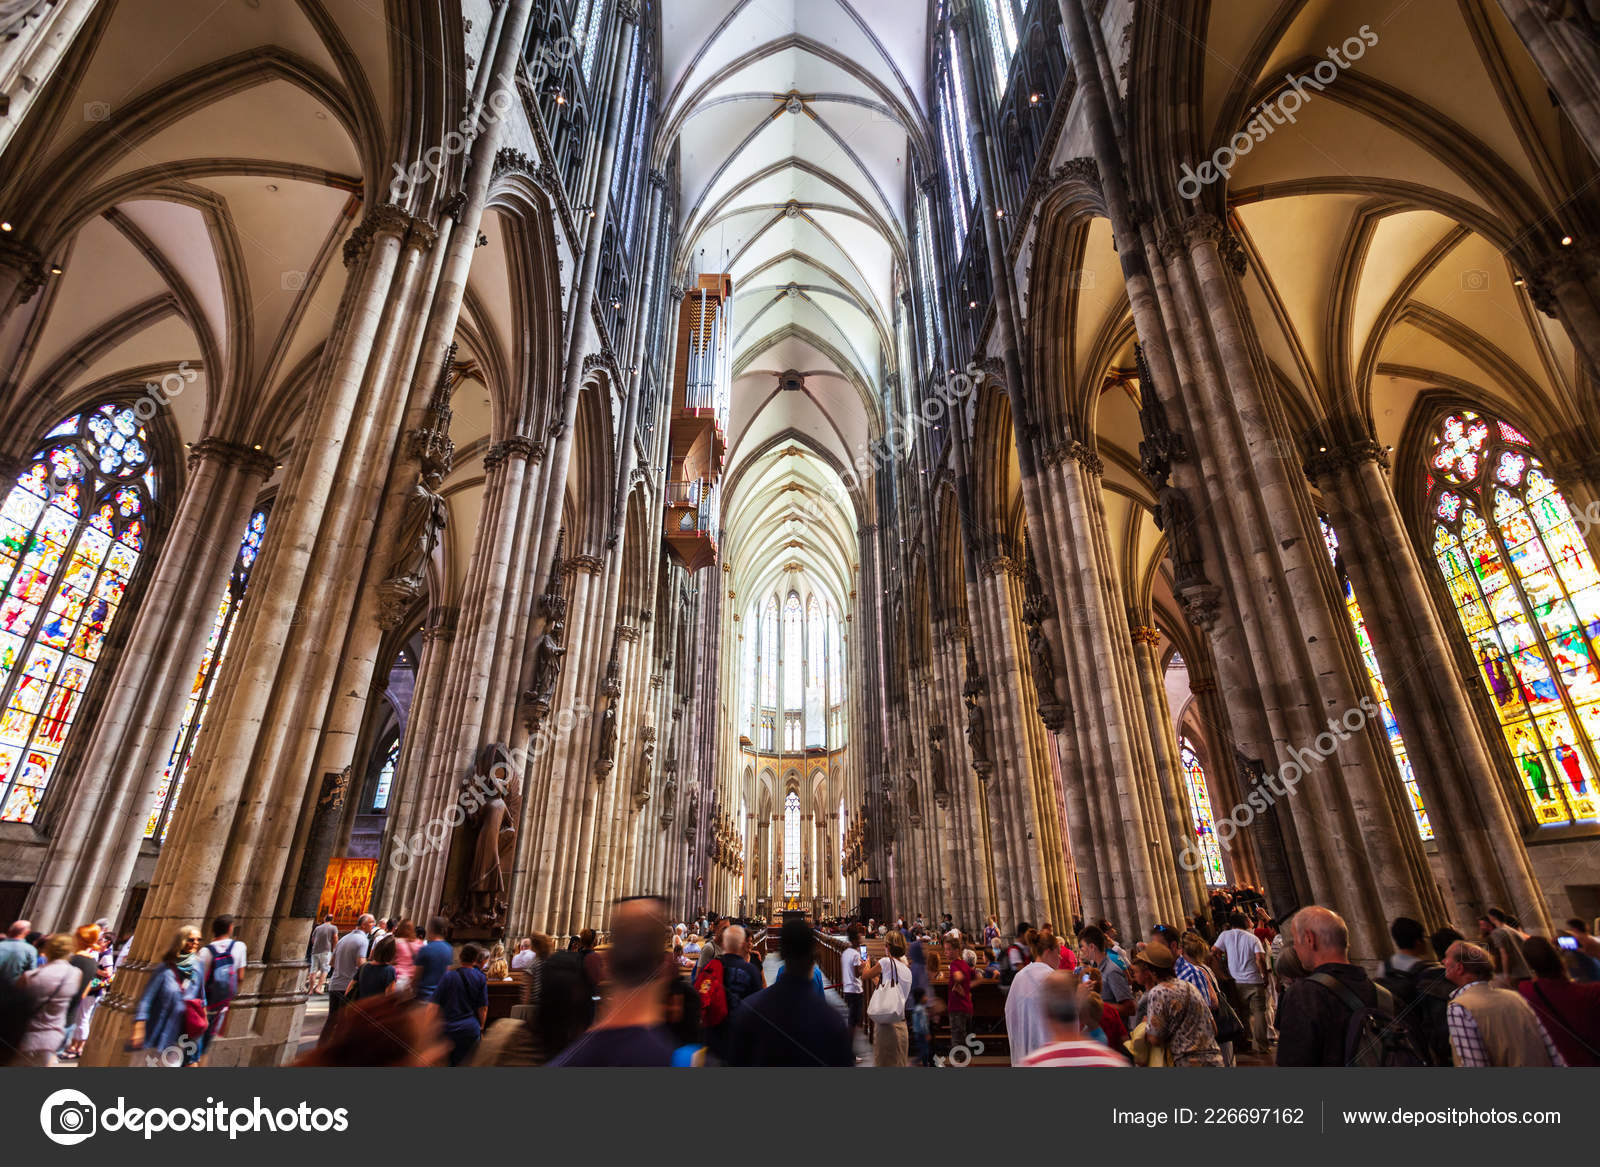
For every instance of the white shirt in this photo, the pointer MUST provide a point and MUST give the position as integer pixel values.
(1026, 1029)
(524, 959)
(1241, 947)
(217, 948)
(851, 962)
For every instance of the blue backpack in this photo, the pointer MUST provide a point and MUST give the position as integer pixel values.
(222, 982)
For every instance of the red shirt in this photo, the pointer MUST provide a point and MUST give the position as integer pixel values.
(960, 986)
(1069, 959)
(1116, 1031)
(1570, 1014)
(1264, 933)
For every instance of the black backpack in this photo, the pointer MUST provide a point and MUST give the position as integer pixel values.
(1422, 996)
(1372, 1035)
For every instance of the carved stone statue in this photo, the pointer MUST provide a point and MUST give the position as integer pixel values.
(1176, 519)
(497, 790)
(941, 778)
(608, 734)
(547, 656)
(1044, 669)
(977, 735)
(425, 518)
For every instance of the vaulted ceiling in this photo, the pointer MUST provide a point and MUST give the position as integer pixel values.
(793, 121)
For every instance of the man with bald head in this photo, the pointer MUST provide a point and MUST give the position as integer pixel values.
(1314, 1020)
(738, 983)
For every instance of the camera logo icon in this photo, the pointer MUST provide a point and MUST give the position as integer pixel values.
(68, 1117)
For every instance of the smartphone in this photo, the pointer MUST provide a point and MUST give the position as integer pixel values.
(1569, 942)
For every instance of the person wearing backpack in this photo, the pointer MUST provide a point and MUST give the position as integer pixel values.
(218, 965)
(1421, 990)
(1337, 1015)
(1017, 956)
(731, 976)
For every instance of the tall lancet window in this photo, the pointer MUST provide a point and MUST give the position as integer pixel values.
(72, 529)
(1527, 594)
(751, 637)
(1002, 21)
(1391, 727)
(816, 725)
(1201, 819)
(791, 844)
(391, 759)
(769, 653)
(205, 678)
(793, 672)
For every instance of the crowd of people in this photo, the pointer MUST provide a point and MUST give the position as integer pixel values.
(1230, 985)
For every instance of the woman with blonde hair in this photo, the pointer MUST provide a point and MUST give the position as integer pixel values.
(890, 1039)
(498, 967)
(170, 1018)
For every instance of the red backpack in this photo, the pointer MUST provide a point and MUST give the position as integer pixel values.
(713, 997)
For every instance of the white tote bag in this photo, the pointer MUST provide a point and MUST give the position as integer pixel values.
(888, 1003)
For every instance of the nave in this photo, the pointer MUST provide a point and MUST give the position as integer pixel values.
(1018, 460)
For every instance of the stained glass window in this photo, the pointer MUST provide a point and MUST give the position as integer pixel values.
(1527, 593)
(816, 659)
(72, 529)
(194, 711)
(752, 633)
(588, 27)
(793, 655)
(791, 844)
(962, 128)
(1201, 819)
(380, 797)
(930, 277)
(1391, 727)
(769, 653)
(1002, 23)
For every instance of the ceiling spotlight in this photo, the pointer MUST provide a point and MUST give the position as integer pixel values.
(257, 446)
(972, 303)
(1518, 282)
(1033, 98)
(55, 269)
(1566, 241)
(6, 225)
(999, 212)
(561, 98)
(616, 305)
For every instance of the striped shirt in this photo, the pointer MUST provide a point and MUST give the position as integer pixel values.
(1077, 1053)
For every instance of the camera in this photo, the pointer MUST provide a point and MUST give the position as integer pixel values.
(72, 1118)
(1568, 942)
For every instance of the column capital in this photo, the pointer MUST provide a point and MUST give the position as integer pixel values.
(25, 260)
(516, 446)
(592, 564)
(1145, 634)
(385, 218)
(1202, 603)
(235, 455)
(1325, 461)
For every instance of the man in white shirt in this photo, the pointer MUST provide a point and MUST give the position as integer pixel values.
(1067, 1046)
(1027, 1023)
(525, 957)
(323, 937)
(1247, 965)
(850, 978)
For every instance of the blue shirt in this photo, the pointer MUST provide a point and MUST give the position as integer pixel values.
(16, 958)
(461, 993)
(428, 968)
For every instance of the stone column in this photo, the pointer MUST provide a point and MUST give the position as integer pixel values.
(1477, 833)
(95, 838)
(1564, 41)
(229, 848)
(1116, 762)
(29, 57)
(1169, 766)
